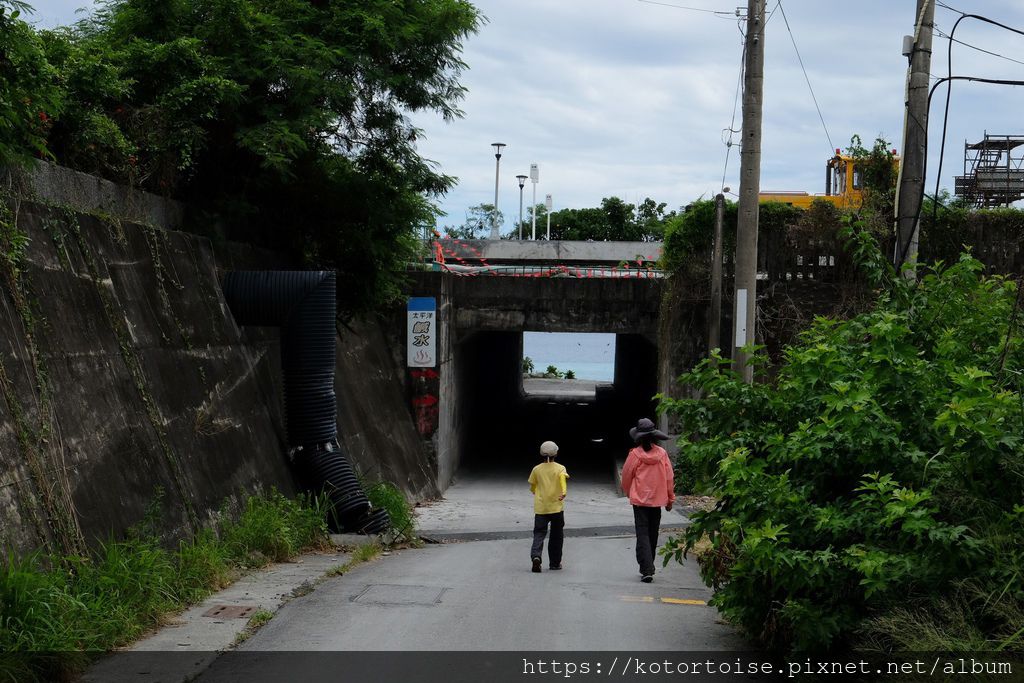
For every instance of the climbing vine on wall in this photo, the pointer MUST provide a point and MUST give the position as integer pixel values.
(45, 495)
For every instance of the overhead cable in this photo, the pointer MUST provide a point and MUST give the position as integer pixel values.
(806, 78)
(721, 13)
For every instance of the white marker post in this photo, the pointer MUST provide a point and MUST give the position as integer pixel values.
(547, 205)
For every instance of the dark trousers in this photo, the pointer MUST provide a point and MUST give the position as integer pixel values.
(648, 523)
(540, 530)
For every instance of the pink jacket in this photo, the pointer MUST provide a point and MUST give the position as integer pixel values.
(647, 477)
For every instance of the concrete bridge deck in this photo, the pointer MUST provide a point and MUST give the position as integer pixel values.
(543, 251)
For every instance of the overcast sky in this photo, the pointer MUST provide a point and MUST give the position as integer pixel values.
(633, 99)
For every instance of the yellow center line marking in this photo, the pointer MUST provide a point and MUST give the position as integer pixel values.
(681, 601)
(667, 601)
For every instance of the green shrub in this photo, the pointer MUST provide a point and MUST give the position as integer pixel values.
(882, 464)
(204, 566)
(63, 610)
(387, 496)
(272, 528)
(553, 372)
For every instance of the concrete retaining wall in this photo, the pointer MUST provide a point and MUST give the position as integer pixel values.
(122, 373)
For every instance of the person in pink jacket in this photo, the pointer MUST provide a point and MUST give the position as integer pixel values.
(648, 480)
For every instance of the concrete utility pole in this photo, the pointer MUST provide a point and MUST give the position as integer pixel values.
(745, 310)
(915, 135)
(715, 324)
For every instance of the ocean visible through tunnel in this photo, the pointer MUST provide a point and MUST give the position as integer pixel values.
(587, 355)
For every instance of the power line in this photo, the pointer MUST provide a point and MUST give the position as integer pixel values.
(771, 14)
(945, 6)
(806, 78)
(723, 14)
(732, 124)
(964, 15)
(975, 47)
(949, 91)
(905, 248)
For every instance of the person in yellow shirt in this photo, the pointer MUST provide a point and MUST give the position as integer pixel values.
(547, 483)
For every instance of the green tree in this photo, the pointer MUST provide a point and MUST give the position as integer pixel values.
(615, 220)
(29, 96)
(689, 237)
(479, 220)
(281, 123)
(877, 171)
(527, 225)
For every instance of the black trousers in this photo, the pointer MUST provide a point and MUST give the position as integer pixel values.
(540, 530)
(648, 524)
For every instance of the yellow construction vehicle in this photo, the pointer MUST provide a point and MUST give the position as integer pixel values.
(844, 186)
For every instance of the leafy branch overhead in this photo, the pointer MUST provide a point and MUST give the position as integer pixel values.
(284, 124)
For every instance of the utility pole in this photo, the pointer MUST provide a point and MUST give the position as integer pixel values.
(745, 307)
(715, 324)
(915, 136)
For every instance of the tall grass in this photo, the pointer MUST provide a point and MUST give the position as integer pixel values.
(386, 495)
(967, 619)
(59, 608)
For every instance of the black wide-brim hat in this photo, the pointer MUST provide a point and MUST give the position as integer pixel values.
(644, 427)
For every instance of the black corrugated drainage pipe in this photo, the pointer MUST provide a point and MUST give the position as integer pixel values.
(302, 304)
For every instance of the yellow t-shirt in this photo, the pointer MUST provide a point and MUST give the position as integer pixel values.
(547, 483)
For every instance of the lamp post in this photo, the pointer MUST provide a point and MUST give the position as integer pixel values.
(522, 181)
(534, 178)
(497, 165)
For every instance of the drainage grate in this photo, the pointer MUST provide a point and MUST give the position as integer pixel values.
(391, 594)
(229, 611)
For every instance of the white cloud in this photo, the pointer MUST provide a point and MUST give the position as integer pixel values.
(628, 98)
(51, 13)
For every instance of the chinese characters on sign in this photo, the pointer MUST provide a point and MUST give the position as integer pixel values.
(422, 335)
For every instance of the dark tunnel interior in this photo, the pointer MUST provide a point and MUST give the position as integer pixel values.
(502, 427)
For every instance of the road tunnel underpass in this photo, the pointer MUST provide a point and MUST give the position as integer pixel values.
(500, 426)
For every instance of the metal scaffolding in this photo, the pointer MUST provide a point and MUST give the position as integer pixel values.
(993, 174)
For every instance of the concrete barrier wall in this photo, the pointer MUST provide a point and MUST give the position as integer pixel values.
(122, 373)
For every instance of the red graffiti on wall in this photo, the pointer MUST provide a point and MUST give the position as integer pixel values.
(426, 373)
(426, 414)
(425, 403)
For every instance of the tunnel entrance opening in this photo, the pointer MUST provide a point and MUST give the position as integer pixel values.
(567, 364)
(500, 425)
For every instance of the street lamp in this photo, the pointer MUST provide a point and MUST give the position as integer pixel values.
(534, 178)
(497, 164)
(522, 181)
